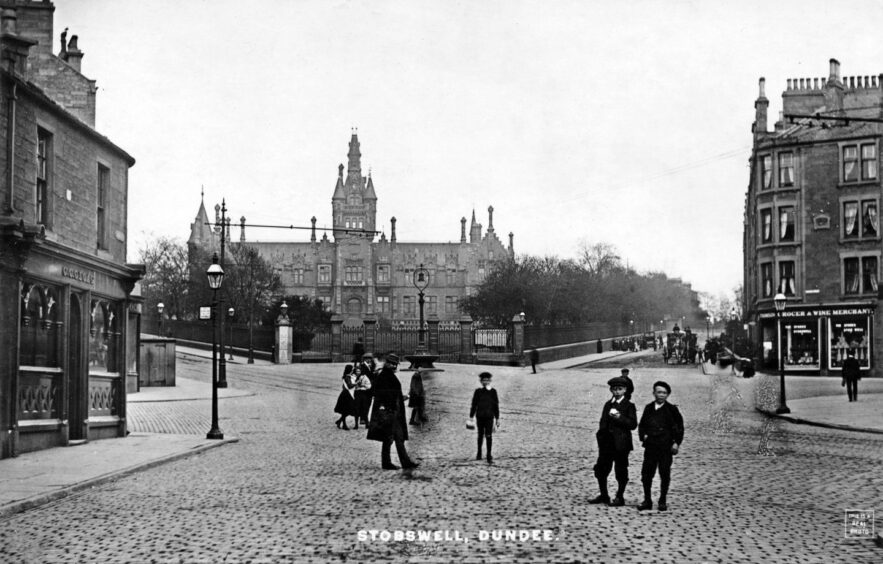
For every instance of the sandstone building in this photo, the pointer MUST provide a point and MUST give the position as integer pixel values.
(358, 274)
(69, 331)
(812, 227)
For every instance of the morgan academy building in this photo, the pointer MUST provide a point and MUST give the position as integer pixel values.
(68, 339)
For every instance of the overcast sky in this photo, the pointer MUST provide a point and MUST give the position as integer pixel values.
(620, 121)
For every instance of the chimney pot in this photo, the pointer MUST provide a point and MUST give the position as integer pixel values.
(834, 73)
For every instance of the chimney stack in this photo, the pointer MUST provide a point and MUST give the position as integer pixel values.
(73, 55)
(8, 20)
(392, 233)
(834, 73)
(760, 109)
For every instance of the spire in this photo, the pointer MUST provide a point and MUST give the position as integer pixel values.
(338, 188)
(354, 156)
(369, 190)
(200, 229)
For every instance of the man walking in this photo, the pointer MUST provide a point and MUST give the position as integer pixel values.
(852, 373)
(661, 431)
(618, 419)
(629, 386)
(387, 423)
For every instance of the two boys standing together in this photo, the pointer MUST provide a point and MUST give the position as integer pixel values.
(661, 431)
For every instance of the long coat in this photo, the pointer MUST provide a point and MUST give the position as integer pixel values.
(615, 434)
(388, 395)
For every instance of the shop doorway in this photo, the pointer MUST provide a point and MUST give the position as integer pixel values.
(76, 405)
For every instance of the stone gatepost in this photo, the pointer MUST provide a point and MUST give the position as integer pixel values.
(370, 323)
(337, 353)
(467, 354)
(284, 341)
(518, 336)
(432, 340)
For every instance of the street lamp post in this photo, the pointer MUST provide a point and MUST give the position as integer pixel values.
(159, 309)
(230, 313)
(421, 281)
(779, 301)
(707, 324)
(215, 275)
(222, 366)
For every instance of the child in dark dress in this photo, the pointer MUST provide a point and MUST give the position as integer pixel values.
(346, 404)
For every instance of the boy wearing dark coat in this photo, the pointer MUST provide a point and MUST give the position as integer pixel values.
(618, 419)
(486, 411)
(661, 431)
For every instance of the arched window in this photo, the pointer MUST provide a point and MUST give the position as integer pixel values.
(354, 306)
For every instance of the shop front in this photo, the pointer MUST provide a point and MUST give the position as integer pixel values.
(67, 379)
(817, 338)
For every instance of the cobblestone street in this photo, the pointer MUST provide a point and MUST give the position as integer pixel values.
(295, 488)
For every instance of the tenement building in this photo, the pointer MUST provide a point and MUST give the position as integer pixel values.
(357, 274)
(67, 341)
(812, 228)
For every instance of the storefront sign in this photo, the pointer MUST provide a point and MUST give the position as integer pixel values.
(820, 312)
(78, 275)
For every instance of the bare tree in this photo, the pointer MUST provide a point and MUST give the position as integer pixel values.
(167, 276)
(598, 259)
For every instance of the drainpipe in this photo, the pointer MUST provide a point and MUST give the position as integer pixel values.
(10, 149)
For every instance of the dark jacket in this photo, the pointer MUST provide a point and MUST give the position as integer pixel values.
(615, 434)
(388, 397)
(851, 369)
(485, 404)
(661, 427)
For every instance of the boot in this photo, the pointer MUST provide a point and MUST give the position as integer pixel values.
(663, 506)
(385, 461)
(663, 493)
(603, 497)
(619, 501)
(646, 504)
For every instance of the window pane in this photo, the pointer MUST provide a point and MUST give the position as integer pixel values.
(786, 223)
(850, 275)
(766, 276)
(870, 220)
(766, 229)
(869, 274)
(786, 278)
(869, 162)
(766, 168)
(850, 213)
(786, 169)
(850, 163)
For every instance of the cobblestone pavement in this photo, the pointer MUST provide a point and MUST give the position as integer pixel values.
(296, 489)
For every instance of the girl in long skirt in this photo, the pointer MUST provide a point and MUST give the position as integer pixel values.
(346, 404)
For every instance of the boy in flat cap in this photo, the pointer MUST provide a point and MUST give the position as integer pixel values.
(618, 419)
(486, 411)
(661, 431)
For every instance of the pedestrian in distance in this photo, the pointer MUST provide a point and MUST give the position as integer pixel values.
(852, 373)
(358, 351)
(629, 385)
(661, 431)
(387, 423)
(417, 399)
(346, 404)
(534, 359)
(486, 411)
(362, 394)
(614, 436)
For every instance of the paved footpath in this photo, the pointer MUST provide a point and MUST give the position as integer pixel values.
(293, 488)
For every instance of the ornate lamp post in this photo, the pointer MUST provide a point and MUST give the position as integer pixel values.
(159, 309)
(421, 281)
(230, 313)
(215, 275)
(779, 300)
(222, 366)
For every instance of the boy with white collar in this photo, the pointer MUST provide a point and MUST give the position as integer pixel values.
(486, 411)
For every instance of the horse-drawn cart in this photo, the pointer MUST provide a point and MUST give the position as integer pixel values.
(679, 348)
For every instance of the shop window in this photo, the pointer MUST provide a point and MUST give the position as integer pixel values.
(786, 169)
(104, 337)
(849, 334)
(787, 283)
(801, 344)
(786, 223)
(40, 327)
(766, 172)
(766, 280)
(766, 226)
